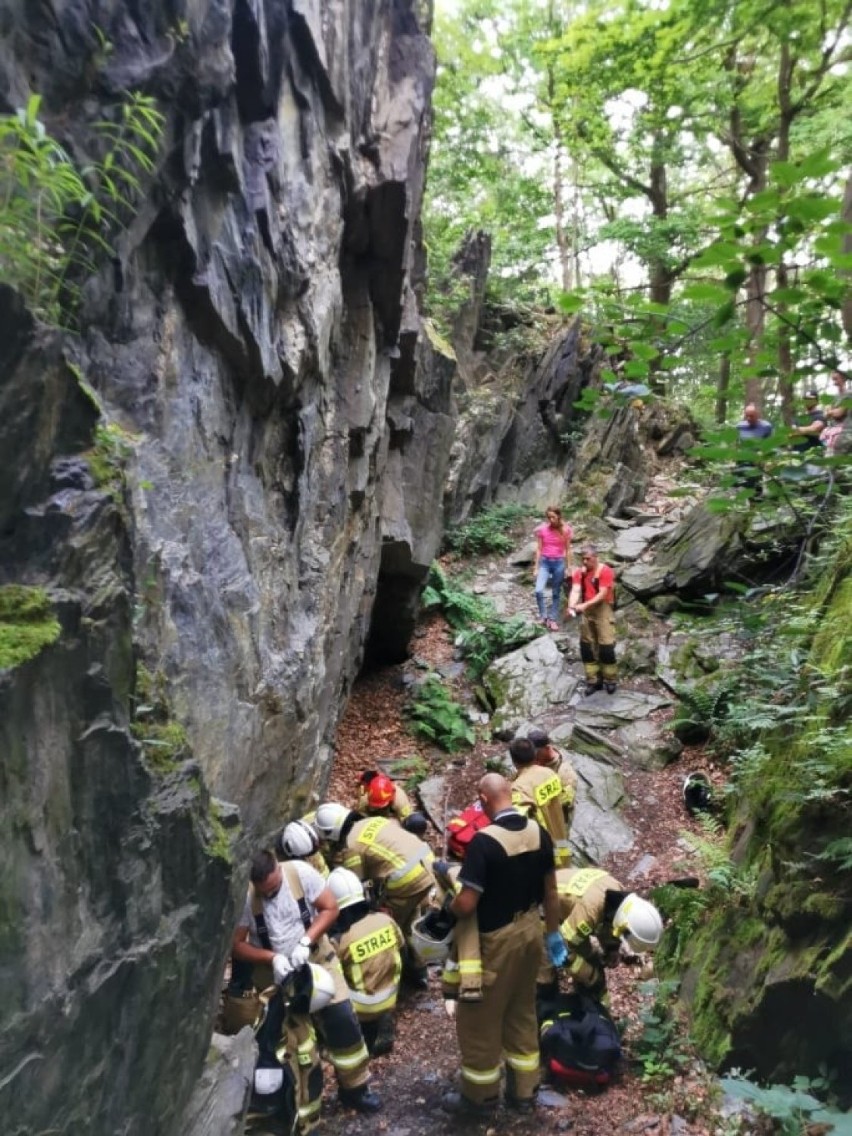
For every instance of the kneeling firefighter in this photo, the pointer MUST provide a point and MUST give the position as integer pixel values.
(379, 795)
(369, 946)
(283, 926)
(594, 903)
(396, 862)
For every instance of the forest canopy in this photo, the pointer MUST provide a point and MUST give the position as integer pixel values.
(678, 172)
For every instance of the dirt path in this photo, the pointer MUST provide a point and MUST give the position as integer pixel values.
(422, 1067)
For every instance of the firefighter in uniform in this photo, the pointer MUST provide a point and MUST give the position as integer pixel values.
(298, 840)
(378, 795)
(549, 757)
(369, 946)
(593, 598)
(378, 849)
(506, 874)
(537, 792)
(593, 905)
(283, 926)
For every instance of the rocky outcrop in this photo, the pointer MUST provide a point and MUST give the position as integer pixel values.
(505, 438)
(708, 549)
(116, 885)
(531, 445)
(239, 464)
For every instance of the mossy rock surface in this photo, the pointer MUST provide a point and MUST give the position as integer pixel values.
(27, 624)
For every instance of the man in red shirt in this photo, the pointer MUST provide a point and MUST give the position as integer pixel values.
(593, 599)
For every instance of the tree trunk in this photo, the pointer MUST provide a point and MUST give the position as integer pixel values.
(659, 271)
(785, 352)
(563, 244)
(723, 384)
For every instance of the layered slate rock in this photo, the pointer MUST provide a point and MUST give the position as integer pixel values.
(254, 357)
(117, 896)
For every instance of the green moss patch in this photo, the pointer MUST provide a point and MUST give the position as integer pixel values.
(27, 624)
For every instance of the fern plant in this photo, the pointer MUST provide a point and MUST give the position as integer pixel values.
(55, 218)
(702, 711)
(484, 635)
(487, 531)
(437, 717)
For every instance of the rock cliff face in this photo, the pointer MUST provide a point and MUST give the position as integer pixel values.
(272, 474)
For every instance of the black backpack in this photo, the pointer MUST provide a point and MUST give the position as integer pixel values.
(580, 1045)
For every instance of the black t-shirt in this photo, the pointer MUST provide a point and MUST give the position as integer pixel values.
(508, 885)
(809, 441)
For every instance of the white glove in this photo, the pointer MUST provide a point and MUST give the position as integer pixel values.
(282, 968)
(301, 953)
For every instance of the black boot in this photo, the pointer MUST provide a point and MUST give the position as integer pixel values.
(362, 1099)
(384, 1039)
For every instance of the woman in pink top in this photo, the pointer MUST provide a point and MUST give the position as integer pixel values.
(552, 561)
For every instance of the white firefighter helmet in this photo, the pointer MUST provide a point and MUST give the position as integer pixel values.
(638, 923)
(346, 886)
(425, 945)
(268, 1081)
(330, 819)
(322, 988)
(298, 839)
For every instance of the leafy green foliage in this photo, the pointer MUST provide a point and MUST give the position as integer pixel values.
(494, 637)
(794, 1106)
(659, 1051)
(488, 531)
(27, 624)
(483, 634)
(410, 771)
(164, 741)
(437, 717)
(56, 217)
(683, 909)
(702, 710)
(108, 458)
(460, 607)
(722, 874)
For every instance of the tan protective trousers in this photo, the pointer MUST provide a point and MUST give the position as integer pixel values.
(462, 974)
(597, 642)
(403, 909)
(503, 1025)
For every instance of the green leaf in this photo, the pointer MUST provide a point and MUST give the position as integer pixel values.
(570, 302)
(705, 293)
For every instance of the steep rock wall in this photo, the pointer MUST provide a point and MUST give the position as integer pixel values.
(255, 346)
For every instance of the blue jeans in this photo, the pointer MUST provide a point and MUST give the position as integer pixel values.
(550, 568)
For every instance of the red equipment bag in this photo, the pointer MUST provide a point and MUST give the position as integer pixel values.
(461, 829)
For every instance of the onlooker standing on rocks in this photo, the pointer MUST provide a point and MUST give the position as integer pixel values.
(552, 561)
(752, 428)
(810, 425)
(506, 874)
(840, 405)
(593, 598)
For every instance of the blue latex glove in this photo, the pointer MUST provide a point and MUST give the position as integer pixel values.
(557, 952)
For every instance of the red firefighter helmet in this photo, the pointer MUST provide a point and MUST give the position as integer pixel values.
(380, 792)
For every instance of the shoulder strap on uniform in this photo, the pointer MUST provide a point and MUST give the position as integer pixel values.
(292, 875)
(256, 902)
(527, 839)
